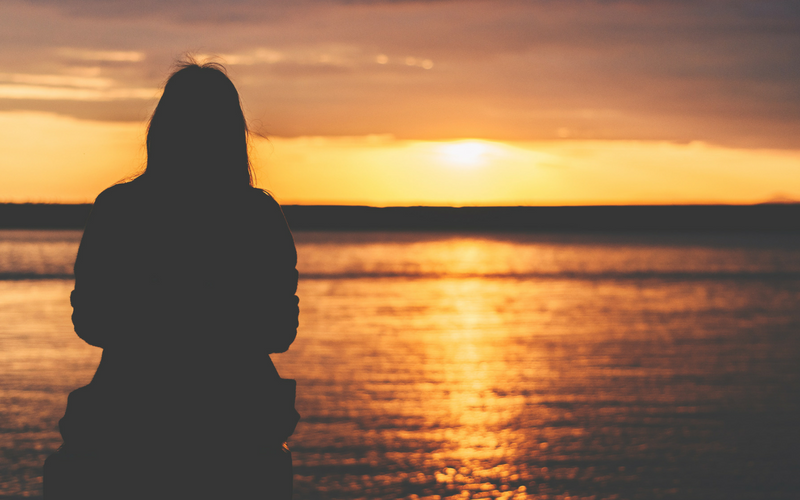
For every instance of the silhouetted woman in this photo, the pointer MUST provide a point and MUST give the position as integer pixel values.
(186, 279)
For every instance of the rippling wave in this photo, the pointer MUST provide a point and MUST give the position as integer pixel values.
(41, 254)
(513, 366)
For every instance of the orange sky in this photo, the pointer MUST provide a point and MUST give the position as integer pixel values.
(398, 103)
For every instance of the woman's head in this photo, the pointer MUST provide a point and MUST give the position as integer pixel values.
(198, 133)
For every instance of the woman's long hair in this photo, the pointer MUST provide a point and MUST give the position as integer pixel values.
(198, 134)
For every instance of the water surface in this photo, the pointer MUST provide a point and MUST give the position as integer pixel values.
(485, 365)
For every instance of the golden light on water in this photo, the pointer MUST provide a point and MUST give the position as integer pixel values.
(504, 366)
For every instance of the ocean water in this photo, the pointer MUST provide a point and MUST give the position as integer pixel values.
(514, 366)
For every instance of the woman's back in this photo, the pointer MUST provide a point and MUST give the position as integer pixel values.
(187, 295)
(173, 253)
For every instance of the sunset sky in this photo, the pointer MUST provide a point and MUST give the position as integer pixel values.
(498, 102)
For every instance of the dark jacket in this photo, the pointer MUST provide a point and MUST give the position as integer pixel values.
(187, 294)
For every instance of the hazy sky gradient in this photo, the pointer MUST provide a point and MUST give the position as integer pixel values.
(726, 73)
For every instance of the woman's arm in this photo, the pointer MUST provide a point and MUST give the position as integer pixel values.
(281, 266)
(98, 298)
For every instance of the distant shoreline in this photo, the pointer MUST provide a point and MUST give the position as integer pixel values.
(638, 218)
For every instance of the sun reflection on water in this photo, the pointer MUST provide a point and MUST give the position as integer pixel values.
(487, 367)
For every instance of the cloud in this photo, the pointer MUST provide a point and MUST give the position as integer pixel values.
(725, 72)
(103, 55)
(49, 93)
(255, 56)
(57, 80)
(68, 88)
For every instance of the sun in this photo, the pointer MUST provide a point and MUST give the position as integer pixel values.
(464, 153)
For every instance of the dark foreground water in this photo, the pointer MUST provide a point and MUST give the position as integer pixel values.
(486, 366)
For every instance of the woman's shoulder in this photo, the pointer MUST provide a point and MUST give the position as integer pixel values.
(132, 194)
(263, 197)
(264, 203)
(120, 191)
(115, 197)
(267, 210)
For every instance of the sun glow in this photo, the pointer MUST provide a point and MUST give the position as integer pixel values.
(465, 153)
(53, 158)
